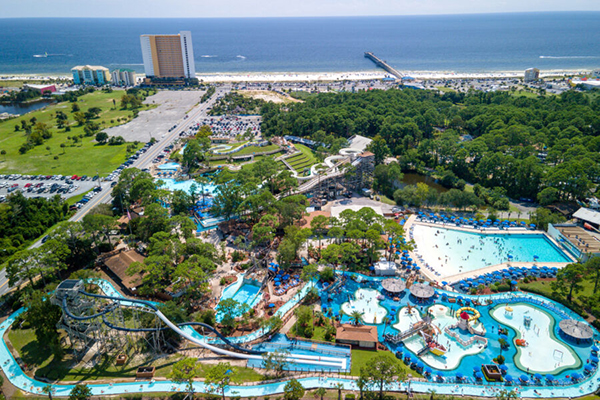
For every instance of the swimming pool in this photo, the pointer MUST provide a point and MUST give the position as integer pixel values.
(451, 251)
(283, 343)
(170, 166)
(172, 185)
(242, 291)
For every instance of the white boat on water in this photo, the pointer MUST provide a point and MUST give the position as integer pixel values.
(41, 55)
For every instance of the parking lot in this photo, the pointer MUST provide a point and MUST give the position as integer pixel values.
(47, 186)
(155, 123)
(229, 126)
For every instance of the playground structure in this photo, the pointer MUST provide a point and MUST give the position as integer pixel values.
(95, 325)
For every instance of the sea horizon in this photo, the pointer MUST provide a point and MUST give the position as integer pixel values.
(457, 43)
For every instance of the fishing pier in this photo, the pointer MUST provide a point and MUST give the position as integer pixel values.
(384, 65)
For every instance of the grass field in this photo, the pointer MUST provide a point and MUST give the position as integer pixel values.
(361, 358)
(83, 158)
(255, 149)
(37, 356)
(305, 159)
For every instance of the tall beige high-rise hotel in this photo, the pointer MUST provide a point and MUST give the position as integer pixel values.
(168, 56)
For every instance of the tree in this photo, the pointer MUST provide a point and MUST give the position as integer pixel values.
(568, 280)
(382, 371)
(356, 317)
(320, 392)
(184, 371)
(507, 395)
(49, 390)
(309, 272)
(219, 377)
(43, 316)
(379, 148)
(293, 390)
(101, 137)
(592, 266)
(319, 226)
(229, 309)
(80, 392)
(275, 361)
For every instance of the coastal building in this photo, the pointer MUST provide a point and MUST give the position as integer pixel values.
(90, 75)
(123, 77)
(45, 89)
(168, 56)
(596, 73)
(532, 75)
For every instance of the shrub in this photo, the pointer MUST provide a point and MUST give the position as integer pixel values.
(350, 396)
(222, 282)
(499, 359)
(237, 256)
(503, 287)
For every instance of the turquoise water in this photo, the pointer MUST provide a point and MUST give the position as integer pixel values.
(451, 251)
(243, 292)
(18, 378)
(171, 166)
(186, 186)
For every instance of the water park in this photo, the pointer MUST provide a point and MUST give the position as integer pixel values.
(460, 344)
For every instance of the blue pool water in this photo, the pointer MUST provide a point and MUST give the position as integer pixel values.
(544, 329)
(451, 251)
(283, 343)
(171, 166)
(243, 292)
(172, 184)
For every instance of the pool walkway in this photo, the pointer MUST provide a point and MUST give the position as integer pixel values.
(415, 255)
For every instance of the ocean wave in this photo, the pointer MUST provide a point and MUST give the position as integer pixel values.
(207, 56)
(241, 57)
(568, 57)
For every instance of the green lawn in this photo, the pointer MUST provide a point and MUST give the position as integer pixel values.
(255, 149)
(361, 358)
(304, 160)
(98, 158)
(38, 356)
(545, 289)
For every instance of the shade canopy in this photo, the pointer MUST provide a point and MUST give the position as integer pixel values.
(576, 329)
(422, 291)
(393, 285)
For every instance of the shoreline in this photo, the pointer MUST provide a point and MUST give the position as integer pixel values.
(228, 77)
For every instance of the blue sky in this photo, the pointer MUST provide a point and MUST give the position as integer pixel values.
(277, 8)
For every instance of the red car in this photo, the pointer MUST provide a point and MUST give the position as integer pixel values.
(74, 177)
(27, 185)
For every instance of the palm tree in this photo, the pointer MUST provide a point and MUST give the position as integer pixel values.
(386, 322)
(49, 390)
(356, 317)
(432, 394)
(320, 392)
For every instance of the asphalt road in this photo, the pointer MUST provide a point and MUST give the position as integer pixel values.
(144, 161)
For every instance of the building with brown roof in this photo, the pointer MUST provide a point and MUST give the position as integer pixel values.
(357, 336)
(117, 266)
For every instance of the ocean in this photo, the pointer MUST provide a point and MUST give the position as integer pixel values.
(459, 43)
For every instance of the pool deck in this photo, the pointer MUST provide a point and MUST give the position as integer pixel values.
(411, 221)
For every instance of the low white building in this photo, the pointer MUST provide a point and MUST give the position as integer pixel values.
(385, 268)
(123, 77)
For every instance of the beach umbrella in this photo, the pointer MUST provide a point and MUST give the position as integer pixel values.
(595, 348)
(514, 282)
(575, 376)
(271, 305)
(420, 365)
(504, 367)
(428, 371)
(508, 378)
(459, 375)
(538, 377)
(444, 283)
(588, 367)
(524, 378)
(549, 377)
(478, 375)
(594, 359)
(503, 336)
